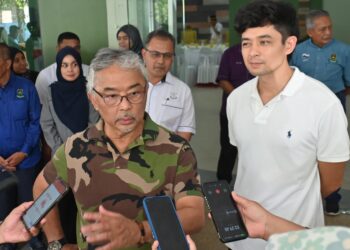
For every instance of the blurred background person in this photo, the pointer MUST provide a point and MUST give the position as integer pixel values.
(327, 60)
(19, 138)
(19, 68)
(19, 65)
(3, 35)
(48, 74)
(216, 30)
(129, 37)
(232, 74)
(34, 48)
(13, 37)
(66, 109)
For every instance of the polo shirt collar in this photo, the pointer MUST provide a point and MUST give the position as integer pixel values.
(293, 85)
(317, 47)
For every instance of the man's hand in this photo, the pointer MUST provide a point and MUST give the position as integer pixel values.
(15, 159)
(4, 163)
(110, 230)
(259, 222)
(255, 216)
(12, 230)
(189, 241)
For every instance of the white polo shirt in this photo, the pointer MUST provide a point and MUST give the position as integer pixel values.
(279, 145)
(170, 104)
(48, 76)
(216, 37)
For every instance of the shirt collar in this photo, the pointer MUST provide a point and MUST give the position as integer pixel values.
(11, 78)
(166, 79)
(293, 85)
(317, 47)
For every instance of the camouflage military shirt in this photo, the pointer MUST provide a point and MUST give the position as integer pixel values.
(157, 163)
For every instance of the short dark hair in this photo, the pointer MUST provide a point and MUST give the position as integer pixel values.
(13, 29)
(260, 13)
(162, 34)
(67, 35)
(213, 17)
(312, 15)
(5, 51)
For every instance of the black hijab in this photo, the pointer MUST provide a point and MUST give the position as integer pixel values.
(134, 36)
(69, 98)
(29, 74)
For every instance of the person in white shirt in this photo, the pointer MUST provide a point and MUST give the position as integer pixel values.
(216, 30)
(45, 78)
(48, 76)
(169, 100)
(290, 130)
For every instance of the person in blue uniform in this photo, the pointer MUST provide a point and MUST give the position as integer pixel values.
(323, 57)
(327, 60)
(19, 135)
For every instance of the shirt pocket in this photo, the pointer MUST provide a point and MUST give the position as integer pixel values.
(19, 110)
(172, 111)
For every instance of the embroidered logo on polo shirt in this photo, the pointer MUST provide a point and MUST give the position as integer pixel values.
(289, 134)
(20, 94)
(173, 95)
(333, 58)
(305, 57)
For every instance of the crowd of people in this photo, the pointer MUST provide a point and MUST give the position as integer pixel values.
(119, 130)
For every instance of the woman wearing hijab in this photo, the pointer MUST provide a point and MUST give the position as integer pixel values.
(19, 65)
(129, 38)
(66, 109)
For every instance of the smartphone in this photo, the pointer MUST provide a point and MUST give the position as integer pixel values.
(41, 206)
(164, 223)
(224, 212)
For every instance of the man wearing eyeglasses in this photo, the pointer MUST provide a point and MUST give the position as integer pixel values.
(169, 101)
(125, 157)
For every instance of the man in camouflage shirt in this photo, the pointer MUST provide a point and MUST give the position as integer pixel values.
(125, 157)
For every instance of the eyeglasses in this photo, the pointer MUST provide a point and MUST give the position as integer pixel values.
(156, 54)
(114, 100)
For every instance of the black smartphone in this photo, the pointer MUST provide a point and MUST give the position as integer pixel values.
(41, 206)
(225, 214)
(164, 223)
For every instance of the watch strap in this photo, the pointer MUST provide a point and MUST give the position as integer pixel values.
(63, 241)
(142, 240)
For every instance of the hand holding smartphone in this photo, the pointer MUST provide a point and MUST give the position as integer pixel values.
(225, 214)
(164, 223)
(43, 204)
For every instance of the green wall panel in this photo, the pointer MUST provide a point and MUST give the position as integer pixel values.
(86, 18)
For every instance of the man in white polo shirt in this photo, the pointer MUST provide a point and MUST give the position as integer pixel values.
(290, 130)
(48, 75)
(169, 100)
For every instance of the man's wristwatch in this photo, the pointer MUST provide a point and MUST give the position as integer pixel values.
(56, 244)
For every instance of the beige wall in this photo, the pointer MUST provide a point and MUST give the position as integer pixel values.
(339, 11)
